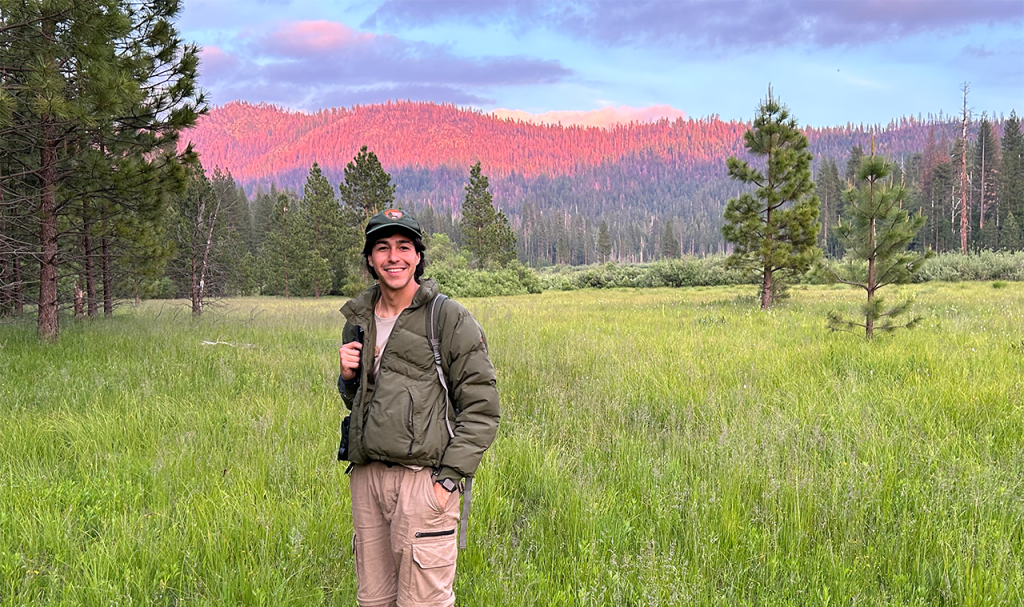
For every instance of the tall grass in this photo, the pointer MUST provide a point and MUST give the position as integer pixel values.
(657, 447)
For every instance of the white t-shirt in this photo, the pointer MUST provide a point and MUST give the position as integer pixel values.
(384, 328)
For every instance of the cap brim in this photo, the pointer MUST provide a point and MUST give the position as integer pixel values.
(393, 228)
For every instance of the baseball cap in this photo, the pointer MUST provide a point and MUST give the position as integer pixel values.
(391, 220)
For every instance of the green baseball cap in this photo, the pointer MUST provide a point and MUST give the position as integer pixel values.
(391, 220)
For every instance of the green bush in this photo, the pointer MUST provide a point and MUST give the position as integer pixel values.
(985, 265)
(944, 267)
(688, 272)
(516, 279)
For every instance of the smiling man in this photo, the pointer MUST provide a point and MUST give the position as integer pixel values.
(423, 413)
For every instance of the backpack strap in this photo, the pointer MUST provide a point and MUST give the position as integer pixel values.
(433, 312)
(435, 344)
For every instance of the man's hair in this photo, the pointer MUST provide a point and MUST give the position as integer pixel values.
(417, 244)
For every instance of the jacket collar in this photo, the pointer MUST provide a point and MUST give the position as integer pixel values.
(359, 310)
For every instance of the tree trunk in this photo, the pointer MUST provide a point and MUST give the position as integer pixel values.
(79, 301)
(90, 266)
(6, 272)
(963, 179)
(205, 268)
(766, 288)
(981, 199)
(197, 306)
(6, 286)
(47, 324)
(869, 321)
(108, 289)
(766, 279)
(18, 291)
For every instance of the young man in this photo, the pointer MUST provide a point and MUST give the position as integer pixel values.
(411, 445)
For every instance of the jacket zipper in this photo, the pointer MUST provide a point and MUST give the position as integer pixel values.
(409, 424)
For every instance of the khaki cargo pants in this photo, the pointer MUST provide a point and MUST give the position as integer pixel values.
(405, 542)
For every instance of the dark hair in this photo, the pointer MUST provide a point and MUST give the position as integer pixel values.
(417, 244)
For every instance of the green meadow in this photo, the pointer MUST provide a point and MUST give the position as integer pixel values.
(657, 447)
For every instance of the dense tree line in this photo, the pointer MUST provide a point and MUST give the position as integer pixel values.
(557, 184)
(93, 96)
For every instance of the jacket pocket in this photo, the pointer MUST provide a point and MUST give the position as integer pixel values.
(426, 415)
(401, 422)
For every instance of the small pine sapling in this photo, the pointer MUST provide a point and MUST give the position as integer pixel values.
(876, 237)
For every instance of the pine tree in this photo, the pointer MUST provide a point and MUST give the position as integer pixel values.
(367, 188)
(94, 96)
(477, 215)
(485, 231)
(853, 164)
(829, 188)
(773, 230)
(194, 218)
(232, 257)
(669, 242)
(1011, 177)
(502, 240)
(985, 187)
(1010, 234)
(287, 265)
(877, 232)
(332, 238)
(604, 243)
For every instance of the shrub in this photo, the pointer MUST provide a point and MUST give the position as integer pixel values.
(985, 265)
(515, 279)
(687, 272)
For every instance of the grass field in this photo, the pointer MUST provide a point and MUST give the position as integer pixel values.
(657, 447)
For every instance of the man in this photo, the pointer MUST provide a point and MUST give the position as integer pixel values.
(411, 442)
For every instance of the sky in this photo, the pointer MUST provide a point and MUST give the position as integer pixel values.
(600, 62)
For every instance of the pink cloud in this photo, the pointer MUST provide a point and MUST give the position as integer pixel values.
(216, 63)
(304, 38)
(604, 117)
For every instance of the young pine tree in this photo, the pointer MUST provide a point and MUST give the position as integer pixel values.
(876, 233)
(367, 188)
(485, 231)
(773, 230)
(669, 242)
(604, 242)
(332, 238)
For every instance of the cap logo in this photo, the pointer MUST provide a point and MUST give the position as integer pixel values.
(393, 214)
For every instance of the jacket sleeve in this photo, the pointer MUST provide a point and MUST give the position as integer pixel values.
(348, 389)
(473, 391)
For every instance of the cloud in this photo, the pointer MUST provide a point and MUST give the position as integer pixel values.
(215, 64)
(604, 117)
(308, 64)
(979, 52)
(715, 25)
(311, 38)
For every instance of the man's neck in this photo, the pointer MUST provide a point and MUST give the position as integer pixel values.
(391, 303)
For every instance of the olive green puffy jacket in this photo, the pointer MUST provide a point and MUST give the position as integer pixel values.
(400, 418)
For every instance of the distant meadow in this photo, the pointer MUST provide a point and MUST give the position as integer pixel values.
(657, 447)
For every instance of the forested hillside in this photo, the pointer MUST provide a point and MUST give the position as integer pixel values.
(560, 180)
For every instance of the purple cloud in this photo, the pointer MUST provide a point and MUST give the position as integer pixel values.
(716, 24)
(312, 64)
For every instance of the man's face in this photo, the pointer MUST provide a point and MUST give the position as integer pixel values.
(394, 259)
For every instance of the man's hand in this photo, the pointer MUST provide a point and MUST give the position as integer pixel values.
(349, 354)
(441, 494)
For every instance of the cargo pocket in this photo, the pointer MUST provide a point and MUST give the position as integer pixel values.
(435, 567)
